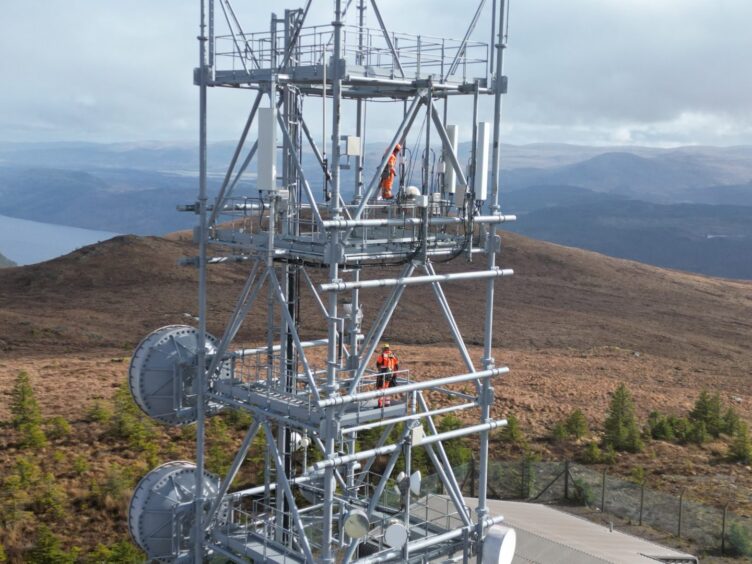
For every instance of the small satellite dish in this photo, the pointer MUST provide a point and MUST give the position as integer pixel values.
(356, 524)
(298, 441)
(415, 481)
(412, 192)
(499, 545)
(395, 535)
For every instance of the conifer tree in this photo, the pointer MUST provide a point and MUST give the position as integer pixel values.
(621, 430)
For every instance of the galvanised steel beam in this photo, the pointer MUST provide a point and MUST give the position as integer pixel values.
(232, 472)
(450, 485)
(201, 375)
(316, 297)
(232, 32)
(453, 327)
(295, 35)
(386, 473)
(282, 479)
(463, 45)
(247, 298)
(414, 221)
(448, 149)
(387, 38)
(491, 242)
(420, 544)
(315, 149)
(294, 332)
(415, 417)
(402, 130)
(220, 201)
(415, 280)
(382, 439)
(388, 449)
(404, 388)
(296, 161)
(379, 326)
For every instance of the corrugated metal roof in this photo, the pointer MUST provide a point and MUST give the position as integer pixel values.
(546, 535)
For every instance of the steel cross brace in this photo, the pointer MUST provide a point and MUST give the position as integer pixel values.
(463, 45)
(299, 167)
(245, 301)
(402, 130)
(388, 39)
(232, 472)
(221, 196)
(227, 193)
(448, 150)
(387, 473)
(235, 39)
(240, 30)
(279, 464)
(279, 295)
(315, 293)
(295, 35)
(377, 330)
(442, 455)
(382, 439)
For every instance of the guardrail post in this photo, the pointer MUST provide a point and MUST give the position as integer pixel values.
(603, 492)
(681, 510)
(566, 479)
(723, 531)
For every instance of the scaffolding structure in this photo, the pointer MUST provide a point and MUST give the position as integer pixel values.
(325, 496)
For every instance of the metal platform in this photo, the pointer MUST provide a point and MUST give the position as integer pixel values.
(371, 63)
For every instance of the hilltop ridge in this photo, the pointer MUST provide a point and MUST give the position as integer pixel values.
(110, 294)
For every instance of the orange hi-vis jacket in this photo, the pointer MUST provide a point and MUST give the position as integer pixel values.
(387, 362)
(387, 179)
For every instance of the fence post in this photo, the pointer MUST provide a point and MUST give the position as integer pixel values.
(681, 510)
(642, 500)
(566, 479)
(603, 493)
(723, 530)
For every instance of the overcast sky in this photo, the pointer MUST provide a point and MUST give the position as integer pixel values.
(653, 72)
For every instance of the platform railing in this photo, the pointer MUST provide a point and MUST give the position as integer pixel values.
(416, 55)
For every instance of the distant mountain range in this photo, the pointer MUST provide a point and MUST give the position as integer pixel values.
(688, 208)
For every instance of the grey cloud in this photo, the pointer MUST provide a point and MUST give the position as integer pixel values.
(590, 71)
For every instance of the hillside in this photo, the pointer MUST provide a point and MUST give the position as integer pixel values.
(5, 262)
(107, 295)
(571, 325)
(566, 316)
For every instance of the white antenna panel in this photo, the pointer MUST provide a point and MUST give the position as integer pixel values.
(267, 149)
(481, 161)
(450, 176)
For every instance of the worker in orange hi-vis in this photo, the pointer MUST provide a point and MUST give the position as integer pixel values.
(387, 177)
(388, 364)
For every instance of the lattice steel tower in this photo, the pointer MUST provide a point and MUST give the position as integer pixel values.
(321, 498)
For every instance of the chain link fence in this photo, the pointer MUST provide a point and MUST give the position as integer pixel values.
(713, 529)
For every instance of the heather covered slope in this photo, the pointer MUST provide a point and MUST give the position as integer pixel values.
(108, 295)
(571, 325)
